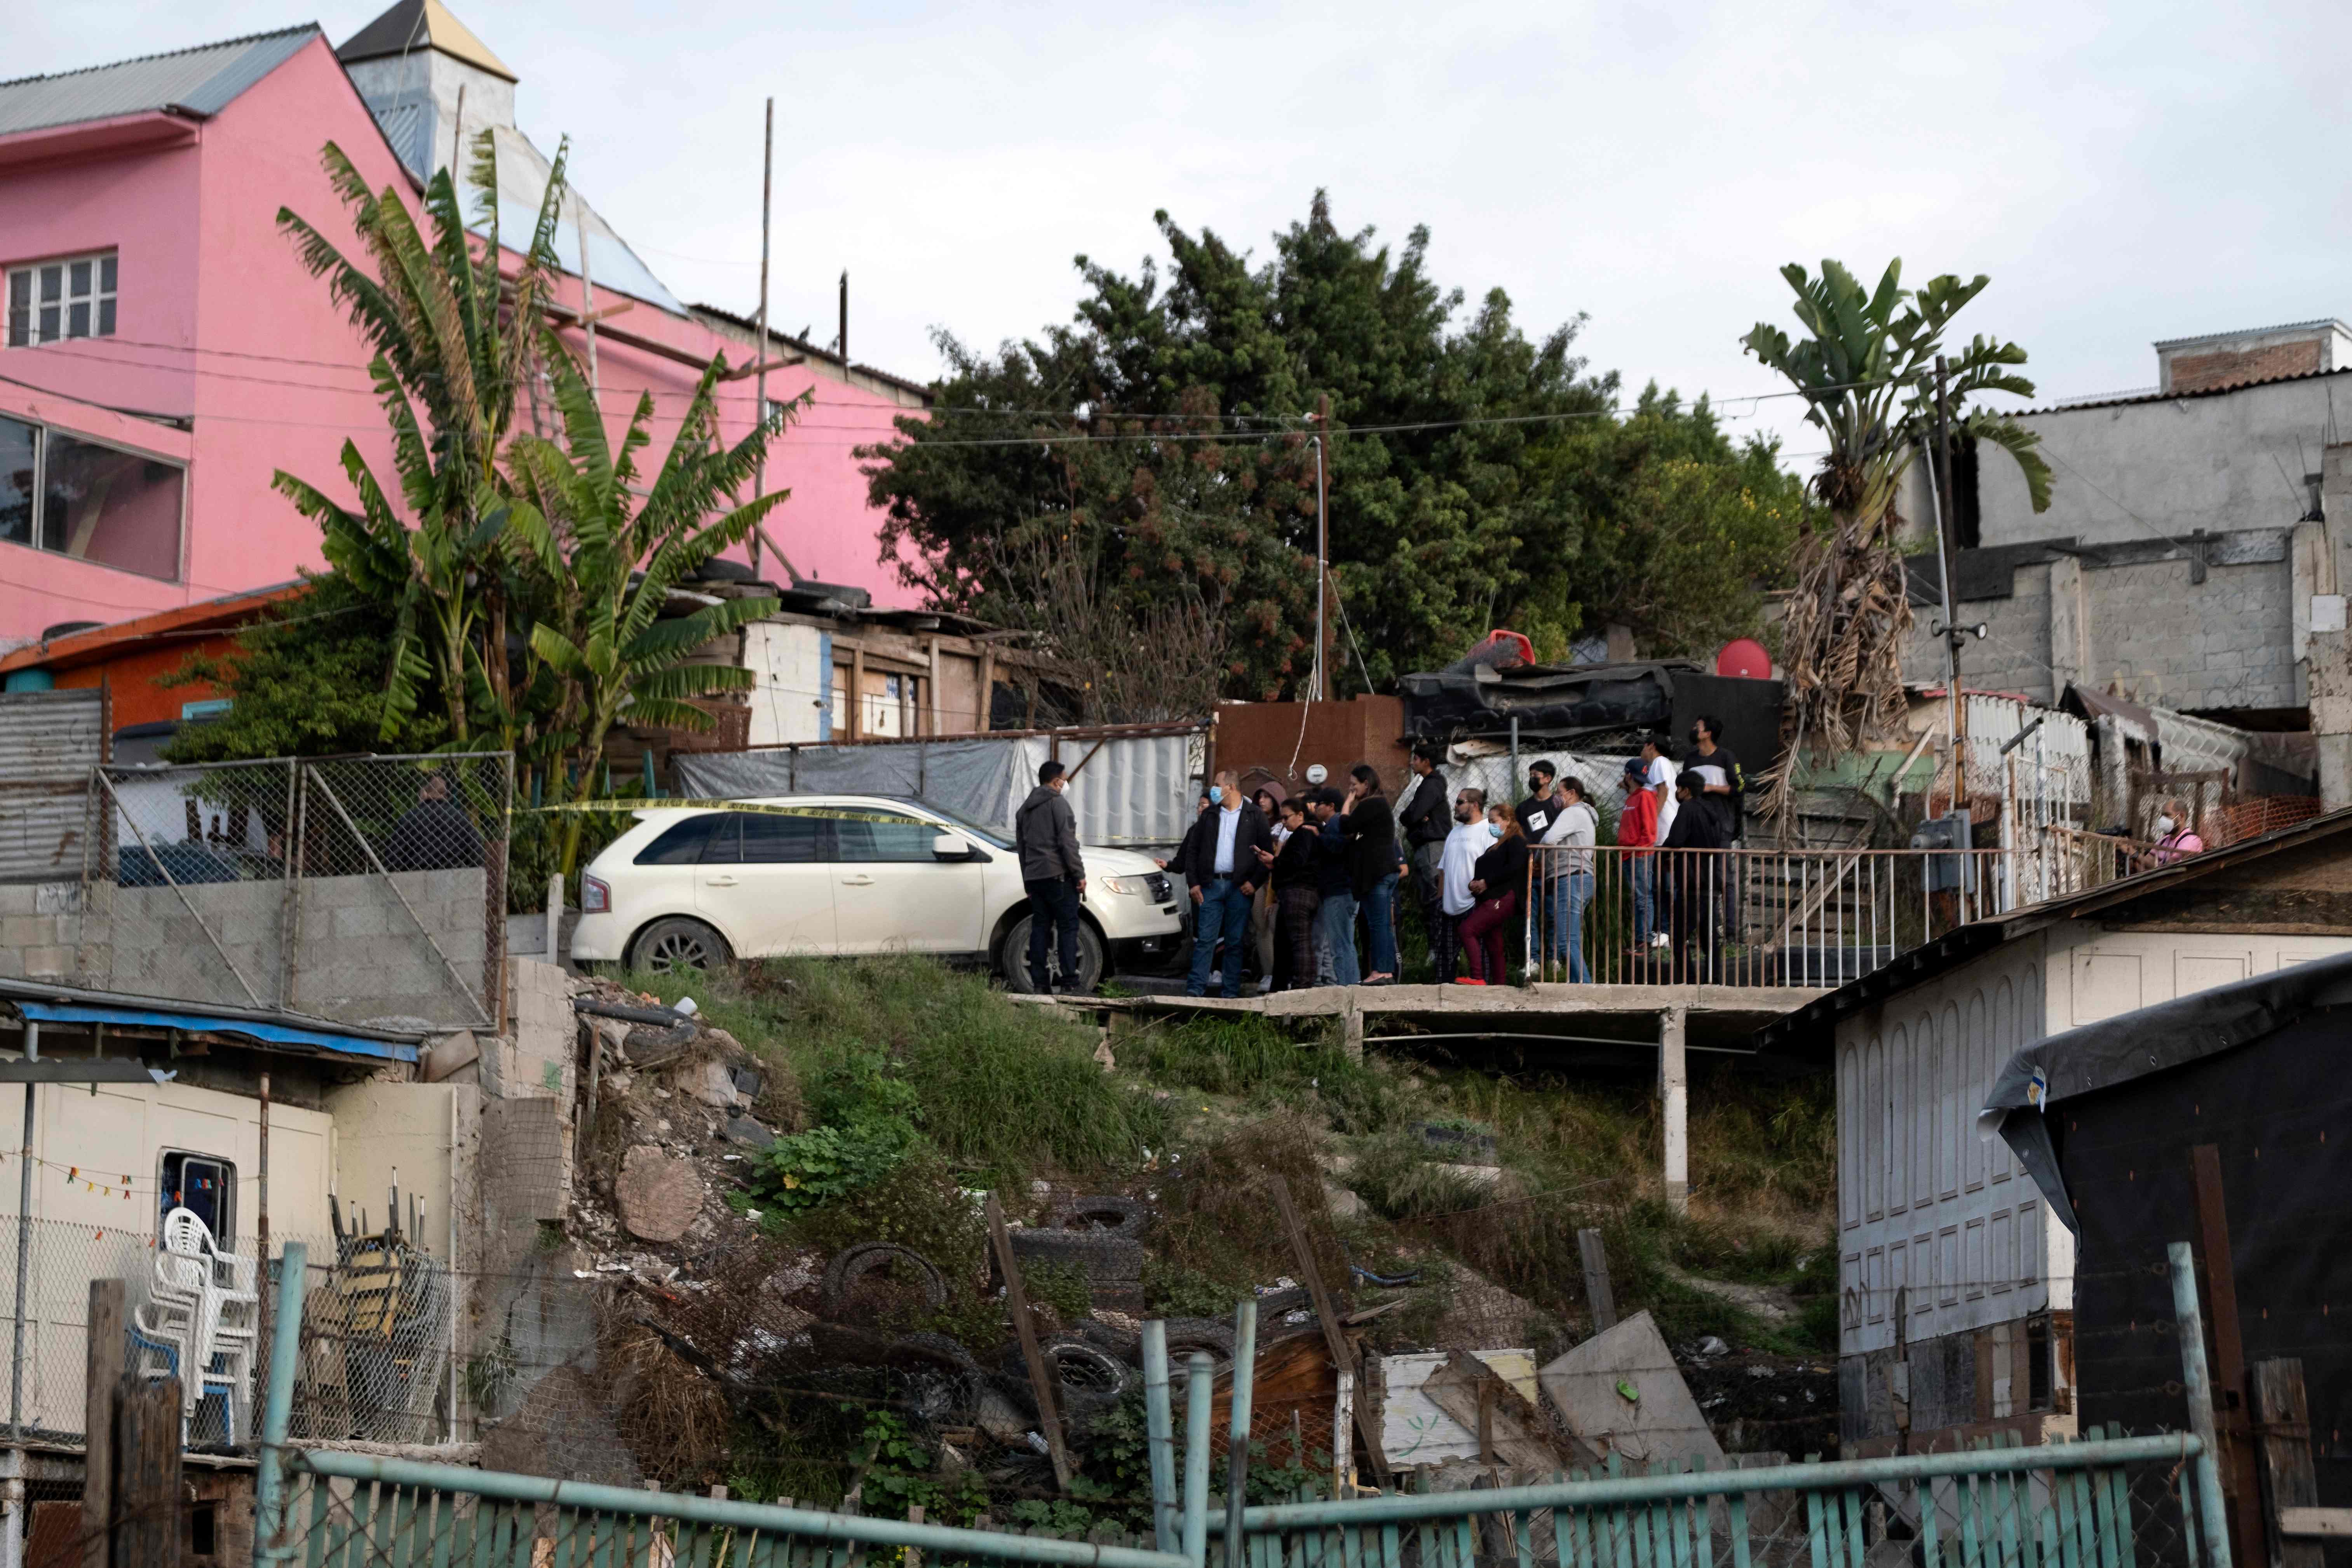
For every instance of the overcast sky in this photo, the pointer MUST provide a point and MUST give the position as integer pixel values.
(2124, 172)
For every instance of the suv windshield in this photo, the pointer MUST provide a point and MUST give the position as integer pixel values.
(986, 835)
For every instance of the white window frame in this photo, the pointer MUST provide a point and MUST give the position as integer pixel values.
(41, 434)
(25, 297)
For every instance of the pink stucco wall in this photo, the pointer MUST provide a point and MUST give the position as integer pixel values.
(217, 322)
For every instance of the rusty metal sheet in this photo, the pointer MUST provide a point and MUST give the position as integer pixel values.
(49, 741)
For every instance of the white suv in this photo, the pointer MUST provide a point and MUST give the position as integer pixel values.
(693, 886)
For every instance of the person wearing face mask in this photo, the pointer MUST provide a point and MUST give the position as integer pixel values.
(2175, 837)
(1688, 880)
(1498, 879)
(1045, 832)
(1335, 917)
(1265, 915)
(1457, 863)
(1290, 874)
(1222, 870)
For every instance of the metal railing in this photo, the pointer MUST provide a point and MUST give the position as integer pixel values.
(1754, 917)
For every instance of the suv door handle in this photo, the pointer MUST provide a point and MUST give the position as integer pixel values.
(861, 880)
(719, 881)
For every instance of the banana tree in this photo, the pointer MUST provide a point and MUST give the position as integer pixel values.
(454, 340)
(610, 551)
(1863, 370)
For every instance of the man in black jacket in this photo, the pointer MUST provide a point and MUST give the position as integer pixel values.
(1046, 835)
(1426, 814)
(1221, 866)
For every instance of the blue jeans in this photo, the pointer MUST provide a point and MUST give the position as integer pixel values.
(1223, 916)
(1568, 896)
(1645, 900)
(1334, 923)
(1379, 914)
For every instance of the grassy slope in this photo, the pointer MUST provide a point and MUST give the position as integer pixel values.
(1198, 1111)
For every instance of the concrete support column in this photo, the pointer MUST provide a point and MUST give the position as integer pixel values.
(1674, 1091)
(2070, 627)
(2311, 570)
(2331, 714)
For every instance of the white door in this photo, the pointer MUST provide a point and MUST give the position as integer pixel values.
(762, 883)
(890, 892)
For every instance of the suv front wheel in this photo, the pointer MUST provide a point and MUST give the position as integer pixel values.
(1013, 959)
(676, 944)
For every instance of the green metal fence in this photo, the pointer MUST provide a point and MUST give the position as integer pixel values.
(2107, 1501)
(2104, 1502)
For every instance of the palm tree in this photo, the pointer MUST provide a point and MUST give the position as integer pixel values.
(610, 551)
(454, 340)
(1862, 369)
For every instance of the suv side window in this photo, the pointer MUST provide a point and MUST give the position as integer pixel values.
(888, 837)
(684, 843)
(791, 840)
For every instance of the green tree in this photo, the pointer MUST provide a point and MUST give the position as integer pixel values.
(609, 549)
(1169, 422)
(1863, 367)
(306, 680)
(453, 340)
(1678, 530)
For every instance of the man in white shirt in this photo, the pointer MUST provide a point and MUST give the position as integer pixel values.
(1658, 773)
(1455, 863)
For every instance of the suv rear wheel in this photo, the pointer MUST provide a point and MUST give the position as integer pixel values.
(676, 944)
(1013, 959)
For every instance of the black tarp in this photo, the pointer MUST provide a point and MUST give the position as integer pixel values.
(2261, 1071)
(1478, 696)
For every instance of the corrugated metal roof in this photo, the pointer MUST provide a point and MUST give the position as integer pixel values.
(201, 81)
(49, 741)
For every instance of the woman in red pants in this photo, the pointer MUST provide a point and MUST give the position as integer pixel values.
(1497, 880)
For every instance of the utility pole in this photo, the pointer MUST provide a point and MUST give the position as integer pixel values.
(759, 352)
(1321, 690)
(845, 320)
(1948, 545)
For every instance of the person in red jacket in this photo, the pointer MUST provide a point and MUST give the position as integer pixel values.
(1637, 829)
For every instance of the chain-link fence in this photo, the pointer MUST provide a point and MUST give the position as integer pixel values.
(366, 890)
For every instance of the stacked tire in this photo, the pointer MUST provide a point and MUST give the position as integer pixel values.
(1102, 1238)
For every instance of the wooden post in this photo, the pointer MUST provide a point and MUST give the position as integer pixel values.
(1017, 1301)
(2283, 1444)
(1597, 1292)
(857, 691)
(105, 1370)
(1334, 1341)
(913, 1554)
(147, 1470)
(1674, 1085)
(2240, 1480)
(759, 350)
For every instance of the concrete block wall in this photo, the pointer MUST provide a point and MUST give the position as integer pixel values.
(46, 932)
(537, 1055)
(2227, 642)
(2014, 655)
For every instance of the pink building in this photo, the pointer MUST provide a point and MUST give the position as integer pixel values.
(164, 352)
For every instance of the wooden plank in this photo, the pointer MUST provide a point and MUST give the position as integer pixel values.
(147, 1470)
(1512, 1431)
(2319, 1523)
(1598, 1292)
(1334, 1341)
(1017, 1301)
(2241, 1483)
(2283, 1448)
(104, 1374)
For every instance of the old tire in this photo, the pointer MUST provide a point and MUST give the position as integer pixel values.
(1104, 1215)
(1210, 1335)
(929, 1351)
(1013, 959)
(1103, 1259)
(675, 945)
(1087, 1379)
(853, 1264)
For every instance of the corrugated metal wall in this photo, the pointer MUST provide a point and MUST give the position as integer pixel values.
(49, 741)
(1128, 790)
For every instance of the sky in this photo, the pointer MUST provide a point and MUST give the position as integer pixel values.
(2124, 172)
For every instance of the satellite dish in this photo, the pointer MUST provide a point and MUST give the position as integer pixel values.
(1316, 774)
(1746, 659)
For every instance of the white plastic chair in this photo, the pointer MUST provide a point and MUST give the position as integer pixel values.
(218, 1320)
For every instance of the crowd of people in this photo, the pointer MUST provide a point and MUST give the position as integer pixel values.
(1295, 878)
